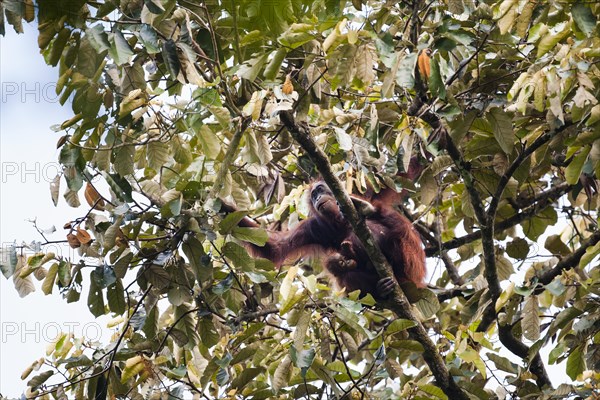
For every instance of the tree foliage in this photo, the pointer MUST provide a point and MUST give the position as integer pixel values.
(176, 107)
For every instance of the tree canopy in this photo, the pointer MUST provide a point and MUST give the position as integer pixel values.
(179, 105)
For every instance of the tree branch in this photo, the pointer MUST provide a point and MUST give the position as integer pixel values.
(522, 350)
(399, 303)
(504, 179)
(486, 234)
(571, 261)
(537, 204)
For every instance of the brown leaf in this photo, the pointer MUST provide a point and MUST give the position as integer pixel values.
(93, 198)
(500, 163)
(29, 11)
(288, 88)
(423, 63)
(62, 141)
(73, 241)
(67, 225)
(121, 239)
(83, 236)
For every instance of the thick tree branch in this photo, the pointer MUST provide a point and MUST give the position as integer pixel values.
(571, 261)
(520, 349)
(486, 232)
(537, 204)
(399, 303)
(524, 155)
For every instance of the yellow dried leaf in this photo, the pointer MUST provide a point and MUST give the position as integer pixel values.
(423, 63)
(82, 236)
(93, 198)
(288, 88)
(73, 241)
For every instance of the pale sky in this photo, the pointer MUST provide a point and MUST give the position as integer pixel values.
(28, 161)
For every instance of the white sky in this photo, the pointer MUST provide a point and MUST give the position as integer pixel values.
(28, 161)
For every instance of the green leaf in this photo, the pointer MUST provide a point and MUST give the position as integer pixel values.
(549, 41)
(34, 262)
(9, 262)
(502, 127)
(122, 264)
(399, 325)
(518, 248)
(231, 221)
(238, 255)
(211, 146)
(257, 236)
(149, 39)
(199, 261)
(594, 115)
(590, 254)
(411, 345)
(48, 283)
(222, 115)
(302, 359)
(116, 297)
(556, 246)
(171, 58)
(134, 99)
(537, 225)
(208, 333)
(98, 38)
(251, 68)
(120, 51)
(433, 391)
(158, 155)
(179, 295)
(252, 37)
(103, 276)
(563, 318)
(503, 363)
(58, 46)
(436, 83)
(246, 376)
(119, 185)
(405, 77)
(297, 35)
(64, 272)
(38, 380)
(154, 6)
(573, 170)
(576, 363)
(428, 303)
(157, 276)
(95, 300)
(584, 18)
(133, 366)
